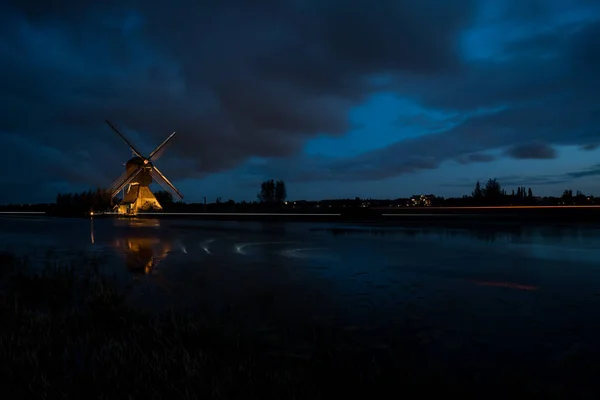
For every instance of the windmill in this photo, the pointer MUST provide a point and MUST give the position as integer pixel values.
(139, 173)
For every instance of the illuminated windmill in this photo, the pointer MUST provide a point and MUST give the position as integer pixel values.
(139, 174)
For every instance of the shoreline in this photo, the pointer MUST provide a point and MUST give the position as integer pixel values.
(406, 216)
(386, 216)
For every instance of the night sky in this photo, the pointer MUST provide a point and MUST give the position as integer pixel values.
(339, 98)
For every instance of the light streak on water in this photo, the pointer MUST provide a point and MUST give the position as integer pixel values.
(205, 246)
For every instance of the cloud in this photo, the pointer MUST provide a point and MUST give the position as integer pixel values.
(475, 158)
(528, 102)
(241, 81)
(593, 170)
(532, 150)
(537, 180)
(513, 181)
(235, 80)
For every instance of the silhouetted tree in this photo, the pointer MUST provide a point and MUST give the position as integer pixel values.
(580, 198)
(492, 189)
(280, 191)
(164, 198)
(477, 192)
(567, 196)
(267, 191)
(84, 202)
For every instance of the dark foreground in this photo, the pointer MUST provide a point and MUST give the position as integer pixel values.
(67, 332)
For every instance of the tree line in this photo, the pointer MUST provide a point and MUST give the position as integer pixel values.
(272, 196)
(272, 191)
(94, 200)
(492, 193)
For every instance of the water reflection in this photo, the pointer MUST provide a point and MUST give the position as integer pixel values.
(139, 241)
(92, 237)
(488, 234)
(142, 245)
(351, 271)
(143, 254)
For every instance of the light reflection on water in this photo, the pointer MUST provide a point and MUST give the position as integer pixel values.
(357, 271)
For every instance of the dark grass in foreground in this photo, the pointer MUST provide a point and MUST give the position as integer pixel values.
(71, 334)
(67, 333)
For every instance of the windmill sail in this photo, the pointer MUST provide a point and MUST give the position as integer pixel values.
(165, 183)
(119, 181)
(139, 174)
(131, 146)
(129, 178)
(159, 150)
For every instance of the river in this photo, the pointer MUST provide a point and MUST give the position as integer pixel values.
(528, 290)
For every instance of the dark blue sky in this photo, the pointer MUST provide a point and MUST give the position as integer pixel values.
(338, 98)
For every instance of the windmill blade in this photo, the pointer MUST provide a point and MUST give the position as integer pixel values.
(135, 151)
(164, 182)
(166, 187)
(117, 182)
(158, 151)
(127, 180)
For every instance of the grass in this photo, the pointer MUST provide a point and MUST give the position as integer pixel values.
(67, 332)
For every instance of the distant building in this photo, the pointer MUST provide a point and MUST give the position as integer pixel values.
(421, 200)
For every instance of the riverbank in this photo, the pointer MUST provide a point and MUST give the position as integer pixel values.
(408, 216)
(388, 215)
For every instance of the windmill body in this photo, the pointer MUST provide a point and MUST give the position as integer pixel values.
(139, 173)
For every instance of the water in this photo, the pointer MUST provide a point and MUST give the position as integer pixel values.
(532, 292)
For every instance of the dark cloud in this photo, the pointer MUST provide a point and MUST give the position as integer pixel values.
(512, 102)
(235, 79)
(532, 150)
(591, 171)
(240, 80)
(589, 146)
(536, 180)
(514, 181)
(539, 91)
(475, 158)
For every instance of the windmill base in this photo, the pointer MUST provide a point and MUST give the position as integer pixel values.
(138, 198)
